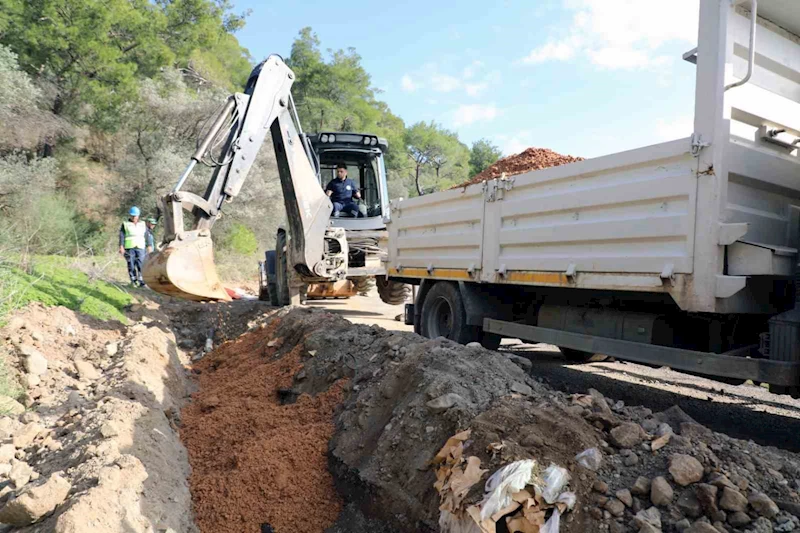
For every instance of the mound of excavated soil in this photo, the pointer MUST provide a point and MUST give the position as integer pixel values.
(384, 403)
(530, 159)
(254, 460)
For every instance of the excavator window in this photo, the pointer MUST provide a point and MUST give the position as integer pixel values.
(362, 169)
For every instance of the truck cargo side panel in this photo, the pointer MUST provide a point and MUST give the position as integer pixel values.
(440, 230)
(633, 218)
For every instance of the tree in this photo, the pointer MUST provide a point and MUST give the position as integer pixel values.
(92, 53)
(436, 151)
(482, 155)
(337, 95)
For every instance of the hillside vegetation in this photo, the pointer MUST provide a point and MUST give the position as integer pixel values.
(102, 103)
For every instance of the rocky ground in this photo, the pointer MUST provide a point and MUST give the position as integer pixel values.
(405, 396)
(302, 421)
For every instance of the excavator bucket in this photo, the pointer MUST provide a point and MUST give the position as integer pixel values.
(185, 269)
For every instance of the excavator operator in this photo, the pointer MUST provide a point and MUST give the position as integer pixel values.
(341, 191)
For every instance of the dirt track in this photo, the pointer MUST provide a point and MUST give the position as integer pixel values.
(744, 411)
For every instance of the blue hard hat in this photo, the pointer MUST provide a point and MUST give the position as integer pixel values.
(134, 212)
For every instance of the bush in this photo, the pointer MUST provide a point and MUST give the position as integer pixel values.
(239, 239)
(48, 224)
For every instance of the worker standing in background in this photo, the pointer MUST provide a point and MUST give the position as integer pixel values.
(150, 236)
(341, 191)
(132, 245)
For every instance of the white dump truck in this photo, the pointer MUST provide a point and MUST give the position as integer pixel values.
(681, 254)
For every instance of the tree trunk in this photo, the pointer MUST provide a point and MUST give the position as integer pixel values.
(416, 180)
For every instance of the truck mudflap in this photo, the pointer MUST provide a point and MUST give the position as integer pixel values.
(740, 363)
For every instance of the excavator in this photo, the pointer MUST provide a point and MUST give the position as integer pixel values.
(315, 250)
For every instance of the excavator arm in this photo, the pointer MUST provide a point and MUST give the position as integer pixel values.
(184, 267)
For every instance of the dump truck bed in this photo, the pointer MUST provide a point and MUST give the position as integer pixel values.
(711, 219)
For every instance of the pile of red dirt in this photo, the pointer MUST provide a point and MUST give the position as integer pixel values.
(254, 460)
(530, 159)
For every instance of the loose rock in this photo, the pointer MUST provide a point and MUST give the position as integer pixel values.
(641, 486)
(689, 504)
(627, 435)
(624, 495)
(20, 474)
(445, 402)
(732, 500)
(685, 469)
(650, 516)
(739, 519)
(702, 527)
(86, 370)
(33, 360)
(763, 505)
(661, 492)
(615, 507)
(32, 504)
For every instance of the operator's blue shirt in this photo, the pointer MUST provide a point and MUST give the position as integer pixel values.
(342, 190)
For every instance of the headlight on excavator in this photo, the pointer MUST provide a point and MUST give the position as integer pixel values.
(331, 138)
(323, 138)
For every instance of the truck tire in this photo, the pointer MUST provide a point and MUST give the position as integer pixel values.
(281, 271)
(363, 285)
(443, 315)
(392, 292)
(270, 292)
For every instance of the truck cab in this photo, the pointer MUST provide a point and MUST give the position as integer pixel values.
(363, 154)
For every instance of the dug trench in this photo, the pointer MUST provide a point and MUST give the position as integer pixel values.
(298, 420)
(310, 423)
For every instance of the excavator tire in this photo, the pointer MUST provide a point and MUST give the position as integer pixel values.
(392, 292)
(282, 272)
(363, 285)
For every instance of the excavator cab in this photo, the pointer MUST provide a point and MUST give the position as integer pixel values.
(363, 155)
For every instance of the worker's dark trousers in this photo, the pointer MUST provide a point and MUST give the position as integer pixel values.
(135, 259)
(348, 207)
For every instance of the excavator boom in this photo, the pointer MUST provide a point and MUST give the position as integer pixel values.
(184, 266)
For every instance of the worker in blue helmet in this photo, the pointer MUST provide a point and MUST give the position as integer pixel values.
(132, 244)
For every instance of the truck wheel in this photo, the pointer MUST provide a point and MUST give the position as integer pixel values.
(392, 292)
(578, 356)
(443, 315)
(363, 285)
(281, 271)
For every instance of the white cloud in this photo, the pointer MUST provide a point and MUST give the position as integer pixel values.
(471, 113)
(470, 70)
(444, 83)
(621, 34)
(475, 89)
(560, 51)
(678, 128)
(468, 82)
(515, 143)
(408, 84)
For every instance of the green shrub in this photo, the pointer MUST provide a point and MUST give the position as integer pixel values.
(48, 224)
(239, 239)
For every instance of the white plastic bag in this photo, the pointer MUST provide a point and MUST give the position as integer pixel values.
(590, 458)
(555, 479)
(509, 480)
(552, 525)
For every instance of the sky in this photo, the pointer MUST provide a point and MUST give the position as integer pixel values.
(582, 77)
